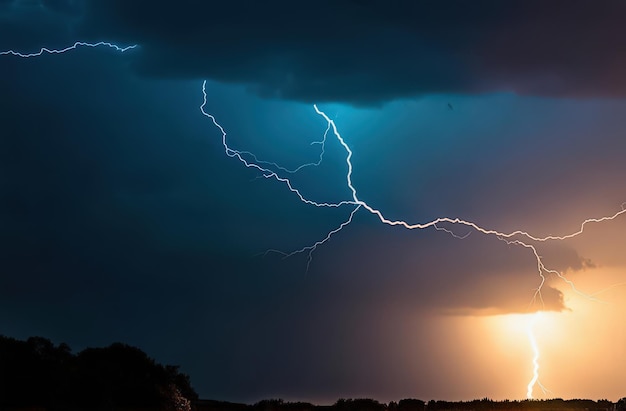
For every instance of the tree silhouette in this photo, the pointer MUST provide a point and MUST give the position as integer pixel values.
(411, 404)
(36, 373)
(360, 404)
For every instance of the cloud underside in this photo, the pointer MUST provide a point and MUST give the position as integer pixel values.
(499, 292)
(368, 51)
(548, 299)
(463, 278)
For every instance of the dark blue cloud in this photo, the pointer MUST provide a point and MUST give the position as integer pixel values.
(360, 52)
(375, 51)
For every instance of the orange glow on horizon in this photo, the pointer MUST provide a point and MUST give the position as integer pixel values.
(566, 350)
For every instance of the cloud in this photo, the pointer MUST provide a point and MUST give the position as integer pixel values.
(364, 52)
(28, 25)
(505, 287)
(368, 52)
(409, 272)
(564, 259)
(549, 299)
(69, 7)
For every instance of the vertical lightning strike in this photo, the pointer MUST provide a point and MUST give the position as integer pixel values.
(535, 349)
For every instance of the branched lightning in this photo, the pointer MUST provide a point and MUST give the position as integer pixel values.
(517, 237)
(76, 45)
(313, 247)
(264, 169)
(274, 171)
(321, 143)
(512, 238)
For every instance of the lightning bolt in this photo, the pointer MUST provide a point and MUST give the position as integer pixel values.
(535, 349)
(518, 237)
(272, 170)
(76, 45)
(511, 238)
(249, 160)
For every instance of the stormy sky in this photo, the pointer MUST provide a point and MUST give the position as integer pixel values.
(123, 219)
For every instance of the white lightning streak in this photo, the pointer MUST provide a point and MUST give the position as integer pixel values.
(535, 348)
(511, 238)
(436, 221)
(66, 49)
(267, 172)
(506, 237)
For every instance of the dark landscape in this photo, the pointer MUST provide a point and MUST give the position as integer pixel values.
(37, 375)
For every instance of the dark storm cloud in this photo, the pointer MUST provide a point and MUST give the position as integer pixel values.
(366, 52)
(28, 25)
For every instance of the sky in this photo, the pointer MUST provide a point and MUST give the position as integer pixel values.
(122, 218)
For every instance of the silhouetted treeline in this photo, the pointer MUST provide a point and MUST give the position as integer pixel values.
(487, 404)
(36, 374)
(410, 404)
